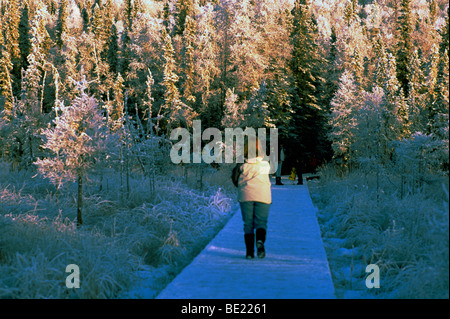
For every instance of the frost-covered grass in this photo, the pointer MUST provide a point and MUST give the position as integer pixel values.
(405, 234)
(160, 231)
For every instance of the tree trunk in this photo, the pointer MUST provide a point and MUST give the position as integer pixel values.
(80, 200)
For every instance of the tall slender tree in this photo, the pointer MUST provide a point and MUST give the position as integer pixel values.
(24, 37)
(176, 112)
(11, 41)
(184, 9)
(306, 129)
(36, 59)
(61, 25)
(187, 78)
(113, 49)
(404, 44)
(6, 93)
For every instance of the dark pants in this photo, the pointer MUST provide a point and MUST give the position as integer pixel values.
(254, 215)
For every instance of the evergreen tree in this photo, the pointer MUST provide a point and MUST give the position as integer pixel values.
(61, 25)
(183, 9)
(416, 98)
(207, 70)
(6, 93)
(224, 19)
(431, 79)
(24, 37)
(176, 113)
(274, 23)
(396, 123)
(106, 27)
(36, 61)
(393, 113)
(306, 128)
(166, 17)
(257, 111)
(439, 110)
(439, 121)
(381, 62)
(333, 70)
(129, 16)
(351, 11)
(187, 83)
(113, 48)
(443, 46)
(125, 57)
(10, 29)
(68, 69)
(404, 45)
(86, 19)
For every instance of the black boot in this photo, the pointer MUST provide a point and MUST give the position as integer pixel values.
(250, 245)
(260, 240)
(278, 181)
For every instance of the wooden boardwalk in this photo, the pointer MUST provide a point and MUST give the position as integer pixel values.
(295, 266)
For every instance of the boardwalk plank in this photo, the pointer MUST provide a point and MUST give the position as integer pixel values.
(295, 267)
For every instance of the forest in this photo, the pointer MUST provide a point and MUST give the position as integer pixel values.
(341, 80)
(91, 89)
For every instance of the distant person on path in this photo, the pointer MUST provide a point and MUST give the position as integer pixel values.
(254, 196)
(281, 158)
(299, 171)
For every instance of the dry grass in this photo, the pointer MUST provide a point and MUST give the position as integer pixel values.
(163, 229)
(406, 236)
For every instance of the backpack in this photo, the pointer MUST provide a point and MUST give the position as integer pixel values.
(235, 174)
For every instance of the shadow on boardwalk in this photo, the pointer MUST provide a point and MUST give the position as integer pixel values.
(295, 267)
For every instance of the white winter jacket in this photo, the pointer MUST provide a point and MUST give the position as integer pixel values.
(254, 183)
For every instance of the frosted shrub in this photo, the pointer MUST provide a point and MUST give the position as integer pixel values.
(421, 154)
(76, 143)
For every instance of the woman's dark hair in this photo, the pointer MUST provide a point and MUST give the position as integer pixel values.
(252, 144)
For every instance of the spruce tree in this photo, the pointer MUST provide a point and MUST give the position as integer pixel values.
(404, 44)
(306, 127)
(6, 93)
(416, 98)
(61, 25)
(431, 79)
(439, 110)
(183, 10)
(113, 49)
(187, 77)
(176, 112)
(10, 29)
(24, 37)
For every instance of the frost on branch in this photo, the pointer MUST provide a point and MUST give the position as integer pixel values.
(75, 143)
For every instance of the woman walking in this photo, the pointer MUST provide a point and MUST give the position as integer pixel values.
(254, 196)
